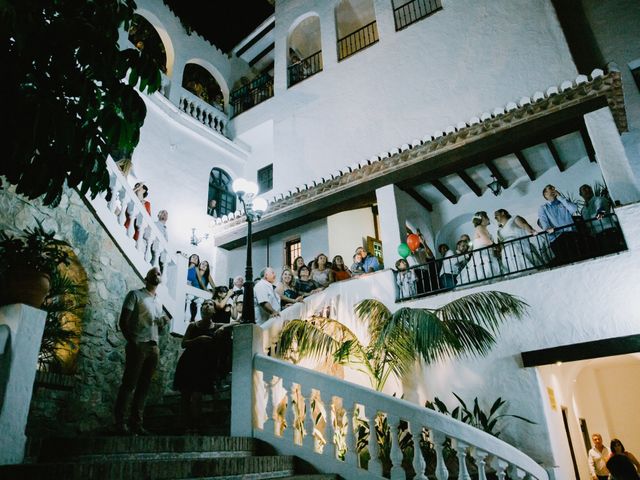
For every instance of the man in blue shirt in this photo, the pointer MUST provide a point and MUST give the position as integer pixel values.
(556, 217)
(370, 262)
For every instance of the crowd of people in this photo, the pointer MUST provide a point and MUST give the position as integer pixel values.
(571, 233)
(614, 464)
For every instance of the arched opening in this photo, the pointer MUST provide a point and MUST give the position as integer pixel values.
(145, 37)
(355, 26)
(202, 84)
(304, 44)
(221, 199)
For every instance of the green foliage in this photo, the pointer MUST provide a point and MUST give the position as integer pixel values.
(486, 421)
(36, 249)
(67, 94)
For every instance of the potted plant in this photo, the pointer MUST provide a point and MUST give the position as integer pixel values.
(26, 264)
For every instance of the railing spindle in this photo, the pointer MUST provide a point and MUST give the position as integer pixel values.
(270, 424)
(461, 453)
(375, 466)
(309, 439)
(419, 465)
(351, 457)
(290, 414)
(397, 472)
(438, 440)
(480, 457)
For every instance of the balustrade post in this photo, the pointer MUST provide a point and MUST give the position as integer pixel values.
(480, 456)
(290, 414)
(500, 466)
(516, 473)
(397, 472)
(331, 431)
(308, 439)
(375, 465)
(123, 206)
(419, 465)
(351, 456)
(461, 453)
(438, 440)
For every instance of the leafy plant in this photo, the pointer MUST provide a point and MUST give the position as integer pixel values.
(70, 93)
(466, 326)
(36, 249)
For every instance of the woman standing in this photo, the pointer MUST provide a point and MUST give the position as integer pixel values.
(192, 271)
(622, 465)
(297, 263)
(519, 253)
(304, 285)
(340, 270)
(286, 288)
(320, 272)
(485, 262)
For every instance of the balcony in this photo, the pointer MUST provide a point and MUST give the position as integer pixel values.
(410, 12)
(248, 96)
(203, 112)
(356, 41)
(305, 68)
(572, 243)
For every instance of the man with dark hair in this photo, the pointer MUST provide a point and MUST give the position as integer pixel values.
(556, 213)
(141, 320)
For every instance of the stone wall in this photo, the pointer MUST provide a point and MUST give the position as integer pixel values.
(88, 406)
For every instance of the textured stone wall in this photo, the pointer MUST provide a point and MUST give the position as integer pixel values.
(101, 354)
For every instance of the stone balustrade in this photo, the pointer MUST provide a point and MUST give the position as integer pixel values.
(203, 112)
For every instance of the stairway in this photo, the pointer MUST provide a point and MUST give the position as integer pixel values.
(169, 455)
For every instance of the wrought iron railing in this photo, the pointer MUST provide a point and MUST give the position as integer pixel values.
(355, 41)
(414, 10)
(247, 96)
(578, 241)
(305, 68)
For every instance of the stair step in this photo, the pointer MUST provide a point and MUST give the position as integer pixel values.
(230, 467)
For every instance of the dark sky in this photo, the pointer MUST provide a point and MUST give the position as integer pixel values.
(223, 23)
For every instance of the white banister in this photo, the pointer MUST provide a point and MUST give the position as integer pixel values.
(203, 112)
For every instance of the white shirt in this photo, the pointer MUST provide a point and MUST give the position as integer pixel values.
(146, 316)
(449, 266)
(264, 291)
(598, 462)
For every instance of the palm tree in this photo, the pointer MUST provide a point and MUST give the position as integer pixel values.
(466, 326)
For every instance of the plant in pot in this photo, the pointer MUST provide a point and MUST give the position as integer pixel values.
(26, 264)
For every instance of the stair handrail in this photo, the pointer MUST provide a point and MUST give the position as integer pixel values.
(276, 380)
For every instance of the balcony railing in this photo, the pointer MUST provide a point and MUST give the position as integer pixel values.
(203, 112)
(571, 243)
(355, 41)
(415, 10)
(259, 90)
(305, 68)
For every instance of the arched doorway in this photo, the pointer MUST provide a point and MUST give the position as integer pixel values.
(145, 37)
(221, 199)
(203, 85)
(356, 26)
(305, 49)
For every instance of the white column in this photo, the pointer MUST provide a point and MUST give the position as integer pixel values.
(176, 77)
(384, 18)
(390, 228)
(247, 341)
(21, 330)
(329, 37)
(611, 156)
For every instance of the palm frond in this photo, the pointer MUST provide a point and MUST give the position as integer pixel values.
(375, 314)
(488, 309)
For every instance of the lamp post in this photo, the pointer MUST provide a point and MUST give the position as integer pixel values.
(254, 207)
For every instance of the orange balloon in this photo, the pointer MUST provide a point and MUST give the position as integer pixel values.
(413, 241)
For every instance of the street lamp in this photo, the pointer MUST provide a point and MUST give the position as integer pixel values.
(254, 207)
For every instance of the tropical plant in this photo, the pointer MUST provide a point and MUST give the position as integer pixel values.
(466, 326)
(69, 91)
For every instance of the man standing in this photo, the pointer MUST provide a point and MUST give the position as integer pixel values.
(140, 321)
(370, 262)
(266, 299)
(161, 223)
(556, 213)
(598, 456)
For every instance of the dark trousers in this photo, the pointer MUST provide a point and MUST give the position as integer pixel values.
(447, 280)
(567, 248)
(140, 364)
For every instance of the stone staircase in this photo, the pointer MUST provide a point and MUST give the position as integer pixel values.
(168, 455)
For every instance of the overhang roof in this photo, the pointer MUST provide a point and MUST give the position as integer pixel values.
(511, 129)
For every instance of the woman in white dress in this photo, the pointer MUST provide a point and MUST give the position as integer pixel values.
(485, 262)
(518, 254)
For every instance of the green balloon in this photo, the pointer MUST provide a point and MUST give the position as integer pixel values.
(403, 250)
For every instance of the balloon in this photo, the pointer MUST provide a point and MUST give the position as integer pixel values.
(413, 242)
(403, 250)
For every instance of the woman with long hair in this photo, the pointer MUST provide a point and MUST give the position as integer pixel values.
(286, 288)
(485, 261)
(320, 271)
(340, 270)
(205, 281)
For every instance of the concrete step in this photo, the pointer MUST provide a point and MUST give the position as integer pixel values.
(228, 467)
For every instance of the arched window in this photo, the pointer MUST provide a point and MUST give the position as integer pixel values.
(145, 37)
(355, 26)
(201, 83)
(305, 50)
(222, 200)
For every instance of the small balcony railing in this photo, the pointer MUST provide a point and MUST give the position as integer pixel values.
(247, 96)
(356, 41)
(305, 68)
(579, 241)
(415, 10)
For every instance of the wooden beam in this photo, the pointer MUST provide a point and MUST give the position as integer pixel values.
(449, 195)
(497, 174)
(420, 199)
(588, 146)
(525, 165)
(259, 56)
(475, 188)
(556, 155)
(255, 39)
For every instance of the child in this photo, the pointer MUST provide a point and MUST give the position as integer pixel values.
(357, 268)
(405, 279)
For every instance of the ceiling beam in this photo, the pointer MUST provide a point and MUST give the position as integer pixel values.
(259, 56)
(449, 195)
(556, 155)
(475, 188)
(420, 199)
(497, 174)
(255, 39)
(525, 164)
(588, 146)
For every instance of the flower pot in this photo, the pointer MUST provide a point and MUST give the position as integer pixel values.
(25, 285)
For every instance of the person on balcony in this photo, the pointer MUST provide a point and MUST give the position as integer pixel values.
(370, 262)
(519, 253)
(340, 270)
(286, 288)
(211, 208)
(267, 300)
(449, 269)
(297, 263)
(321, 273)
(141, 321)
(192, 270)
(203, 275)
(485, 262)
(405, 280)
(600, 225)
(556, 217)
(141, 191)
(356, 267)
(305, 286)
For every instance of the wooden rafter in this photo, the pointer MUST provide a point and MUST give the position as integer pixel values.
(475, 188)
(448, 194)
(586, 139)
(420, 199)
(556, 155)
(527, 168)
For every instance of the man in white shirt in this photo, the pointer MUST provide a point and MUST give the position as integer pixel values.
(598, 456)
(266, 299)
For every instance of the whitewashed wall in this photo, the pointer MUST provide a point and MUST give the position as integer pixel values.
(347, 231)
(469, 58)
